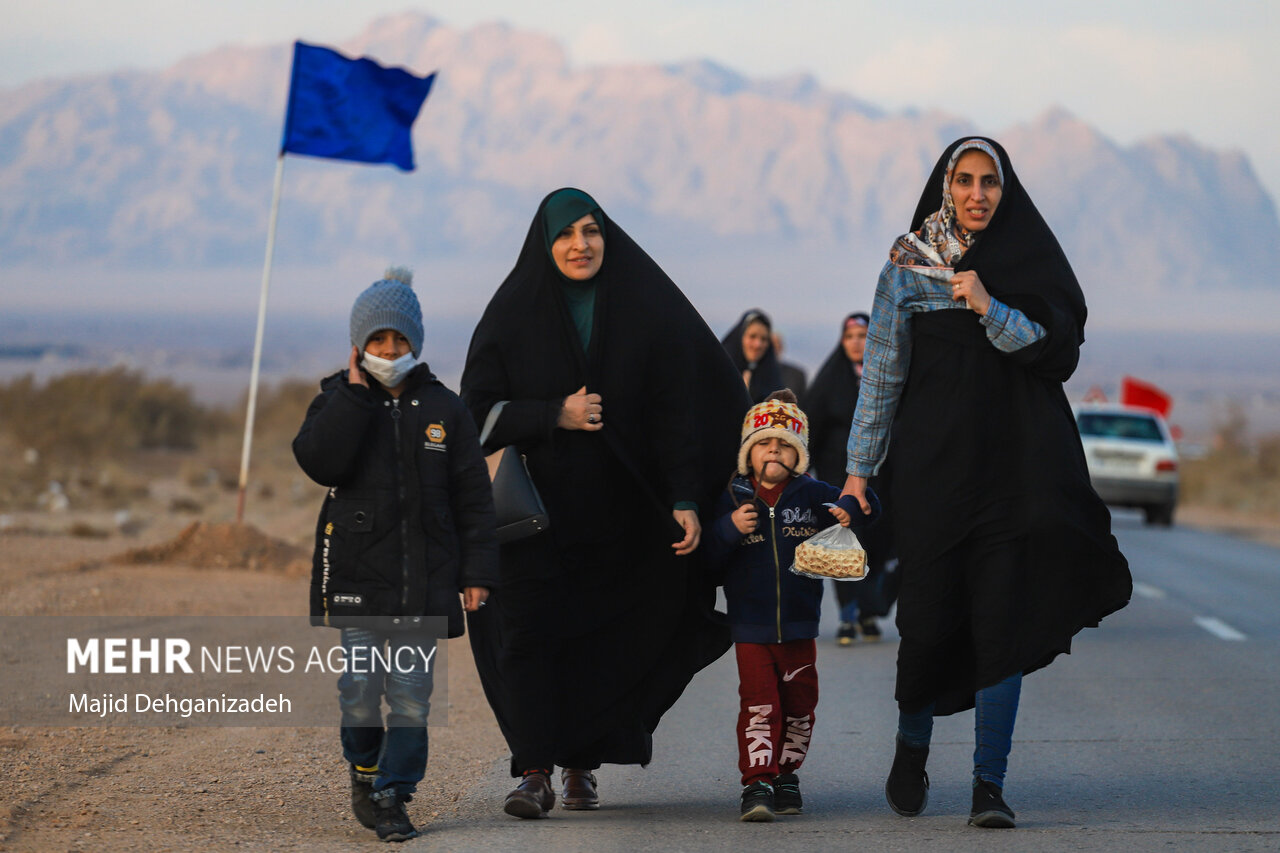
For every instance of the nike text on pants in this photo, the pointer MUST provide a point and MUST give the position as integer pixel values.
(778, 688)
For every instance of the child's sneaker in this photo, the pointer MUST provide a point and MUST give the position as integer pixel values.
(786, 794)
(393, 821)
(361, 787)
(757, 802)
(870, 629)
(846, 634)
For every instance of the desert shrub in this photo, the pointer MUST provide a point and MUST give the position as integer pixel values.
(1237, 474)
(1269, 458)
(279, 412)
(90, 415)
(280, 409)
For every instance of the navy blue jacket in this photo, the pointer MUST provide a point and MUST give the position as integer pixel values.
(768, 603)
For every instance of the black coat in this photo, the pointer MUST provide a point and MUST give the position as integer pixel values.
(408, 520)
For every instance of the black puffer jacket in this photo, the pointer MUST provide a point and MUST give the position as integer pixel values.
(408, 520)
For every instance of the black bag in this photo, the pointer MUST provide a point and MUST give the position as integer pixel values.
(516, 501)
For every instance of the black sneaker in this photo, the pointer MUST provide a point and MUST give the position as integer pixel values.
(393, 821)
(757, 802)
(870, 629)
(361, 788)
(846, 634)
(989, 809)
(907, 788)
(786, 794)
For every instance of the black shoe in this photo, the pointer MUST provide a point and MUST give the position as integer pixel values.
(757, 802)
(361, 788)
(532, 798)
(907, 788)
(579, 792)
(846, 634)
(393, 821)
(870, 629)
(989, 809)
(786, 794)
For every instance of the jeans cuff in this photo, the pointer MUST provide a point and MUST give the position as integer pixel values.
(403, 791)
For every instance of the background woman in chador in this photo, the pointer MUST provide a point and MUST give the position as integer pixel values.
(590, 361)
(750, 345)
(1006, 551)
(830, 402)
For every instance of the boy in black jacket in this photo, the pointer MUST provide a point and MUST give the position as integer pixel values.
(773, 613)
(407, 525)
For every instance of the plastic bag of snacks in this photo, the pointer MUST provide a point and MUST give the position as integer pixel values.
(833, 553)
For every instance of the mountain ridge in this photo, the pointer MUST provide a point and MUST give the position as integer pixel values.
(171, 169)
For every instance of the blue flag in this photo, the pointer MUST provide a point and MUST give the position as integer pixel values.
(351, 109)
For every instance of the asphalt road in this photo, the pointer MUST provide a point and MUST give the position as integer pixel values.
(1160, 732)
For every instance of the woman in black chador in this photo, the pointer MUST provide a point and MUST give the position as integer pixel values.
(750, 345)
(830, 402)
(591, 362)
(1006, 551)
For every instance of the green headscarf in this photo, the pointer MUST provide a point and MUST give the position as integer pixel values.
(565, 208)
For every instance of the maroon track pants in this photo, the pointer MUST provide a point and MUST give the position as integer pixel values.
(778, 688)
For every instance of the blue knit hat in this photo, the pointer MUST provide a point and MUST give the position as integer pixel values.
(388, 304)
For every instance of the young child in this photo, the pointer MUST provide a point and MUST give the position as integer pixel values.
(407, 524)
(770, 508)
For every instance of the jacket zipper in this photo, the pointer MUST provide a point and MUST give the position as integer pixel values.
(777, 569)
(404, 521)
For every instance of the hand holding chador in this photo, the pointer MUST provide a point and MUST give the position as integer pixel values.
(582, 411)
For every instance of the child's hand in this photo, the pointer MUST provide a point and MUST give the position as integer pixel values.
(354, 374)
(746, 519)
(841, 516)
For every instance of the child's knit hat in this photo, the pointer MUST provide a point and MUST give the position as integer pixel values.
(388, 304)
(779, 415)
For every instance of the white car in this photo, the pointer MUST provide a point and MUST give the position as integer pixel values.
(1133, 461)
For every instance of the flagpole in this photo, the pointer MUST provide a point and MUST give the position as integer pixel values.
(257, 342)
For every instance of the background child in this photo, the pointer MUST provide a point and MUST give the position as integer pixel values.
(407, 524)
(773, 613)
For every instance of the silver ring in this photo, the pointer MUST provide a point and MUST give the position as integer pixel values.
(591, 419)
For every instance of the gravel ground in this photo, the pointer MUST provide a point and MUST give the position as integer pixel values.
(195, 788)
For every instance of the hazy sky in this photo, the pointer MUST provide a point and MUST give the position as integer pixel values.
(1206, 68)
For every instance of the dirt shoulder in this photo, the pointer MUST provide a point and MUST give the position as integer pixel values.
(195, 788)
(1259, 527)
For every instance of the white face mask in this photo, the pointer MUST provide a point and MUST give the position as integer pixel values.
(389, 373)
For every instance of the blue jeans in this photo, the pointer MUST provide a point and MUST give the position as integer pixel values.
(994, 713)
(399, 750)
